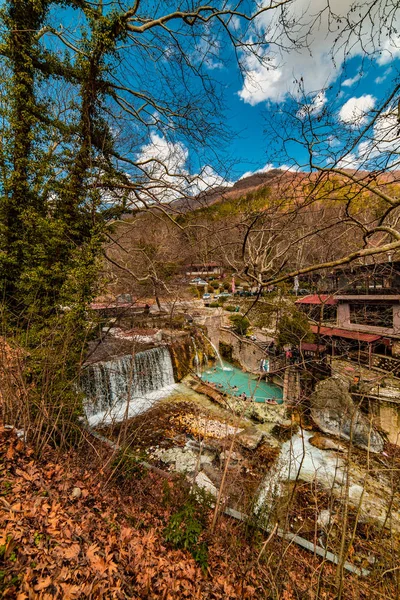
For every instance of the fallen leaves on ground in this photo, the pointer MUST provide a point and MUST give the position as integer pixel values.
(55, 546)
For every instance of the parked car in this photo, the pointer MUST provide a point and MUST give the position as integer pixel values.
(224, 295)
(300, 292)
(251, 337)
(206, 297)
(198, 281)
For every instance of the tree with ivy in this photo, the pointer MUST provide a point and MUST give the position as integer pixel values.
(240, 324)
(293, 329)
(78, 105)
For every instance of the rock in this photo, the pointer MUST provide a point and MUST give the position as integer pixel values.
(356, 492)
(250, 438)
(324, 519)
(207, 457)
(271, 441)
(334, 412)
(76, 493)
(235, 457)
(209, 428)
(184, 460)
(324, 443)
(203, 482)
(265, 413)
(300, 461)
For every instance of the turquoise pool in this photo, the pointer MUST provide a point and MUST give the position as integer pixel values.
(235, 382)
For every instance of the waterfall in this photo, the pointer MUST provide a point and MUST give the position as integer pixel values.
(196, 357)
(215, 350)
(126, 386)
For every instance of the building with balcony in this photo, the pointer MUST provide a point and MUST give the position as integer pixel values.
(203, 269)
(357, 309)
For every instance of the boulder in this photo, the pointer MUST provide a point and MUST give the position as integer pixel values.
(234, 458)
(325, 518)
(205, 483)
(185, 460)
(324, 443)
(250, 438)
(334, 412)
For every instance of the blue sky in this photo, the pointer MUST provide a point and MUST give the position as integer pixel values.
(252, 146)
(341, 80)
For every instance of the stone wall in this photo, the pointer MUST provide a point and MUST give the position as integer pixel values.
(183, 350)
(245, 352)
(213, 325)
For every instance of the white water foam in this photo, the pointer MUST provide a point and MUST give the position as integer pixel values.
(126, 386)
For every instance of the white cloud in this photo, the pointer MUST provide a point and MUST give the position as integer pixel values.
(390, 50)
(352, 80)
(354, 111)
(350, 161)
(314, 107)
(262, 82)
(382, 78)
(380, 149)
(161, 157)
(268, 167)
(384, 140)
(277, 74)
(165, 172)
(333, 141)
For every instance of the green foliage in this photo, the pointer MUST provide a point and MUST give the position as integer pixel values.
(240, 324)
(293, 329)
(214, 284)
(246, 204)
(214, 305)
(127, 466)
(230, 308)
(186, 527)
(226, 351)
(262, 313)
(52, 221)
(193, 289)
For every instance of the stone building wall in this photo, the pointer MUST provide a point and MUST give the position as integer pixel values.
(245, 352)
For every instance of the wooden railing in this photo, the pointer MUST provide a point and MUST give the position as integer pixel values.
(379, 361)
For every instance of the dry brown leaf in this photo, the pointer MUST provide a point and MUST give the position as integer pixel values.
(42, 584)
(70, 552)
(70, 591)
(91, 552)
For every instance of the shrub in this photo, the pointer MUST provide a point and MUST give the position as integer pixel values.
(214, 284)
(213, 305)
(127, 466)
(293, 329)
(230, 308)
(195, 291)
(240, 324)
(186, 526)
